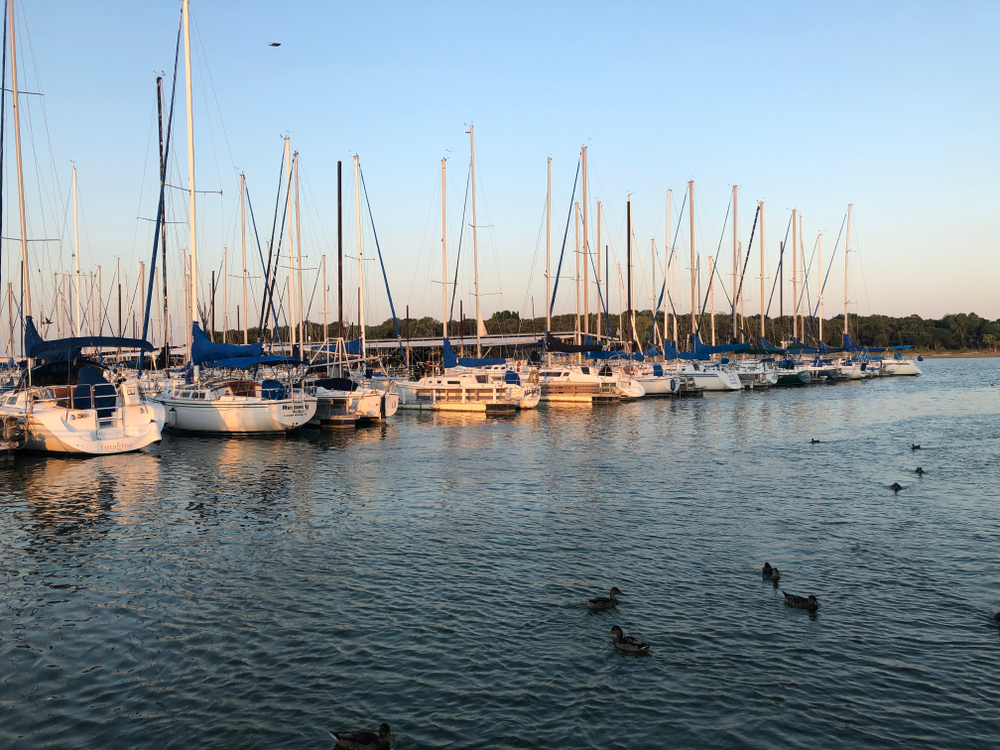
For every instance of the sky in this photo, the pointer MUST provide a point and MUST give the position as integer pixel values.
(891, 107)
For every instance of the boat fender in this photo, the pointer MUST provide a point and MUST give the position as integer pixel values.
(172, 417)
(673, 386)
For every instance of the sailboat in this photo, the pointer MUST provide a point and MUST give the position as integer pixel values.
(477, 384)
(64, 402)
(228, 405)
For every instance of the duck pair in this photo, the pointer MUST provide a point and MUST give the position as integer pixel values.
(621, 641)
(810, 602)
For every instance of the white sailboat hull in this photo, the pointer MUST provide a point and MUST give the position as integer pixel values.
(57, 430)
(900, 367)
(239, 416)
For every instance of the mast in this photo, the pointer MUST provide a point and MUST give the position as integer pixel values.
(190, 135)
(475, 239)
(444, 251)
(795, 275)
(298, 256)
(762, 311)
(243, 230)
(20, 174)
(361, 275)
(163, 229)
(76, 254)
(340, 256)
(548, 254)
(847, 249)
(586, 252)
(326, 323)
(628, 269)
(736, 263)
(292, 319)
(691, 223)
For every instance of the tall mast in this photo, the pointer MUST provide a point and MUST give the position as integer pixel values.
(548, 253)
(666, 273)
(847, 250)
(762, 311)
(475, 239)
(163, 230)
(76, 254)
(191, 196)
(243, 226)
(736, 262)
(691, 223)
(291, 247)
(298, 256)
(444, 250)
(628, 269)
(361, 275)
(326, 323)
(795, 274)
(20, 175)
(340, 255)
(586, 252)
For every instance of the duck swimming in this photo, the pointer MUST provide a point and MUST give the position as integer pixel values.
(801, 602)
(769, 573)
(814, 441)
(914, 447)
(627, 642)
(996, 618)
(920, 471)
(604, 602)
(895, 486)
(363, 740)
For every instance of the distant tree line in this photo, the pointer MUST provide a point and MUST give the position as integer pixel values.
(953, 332)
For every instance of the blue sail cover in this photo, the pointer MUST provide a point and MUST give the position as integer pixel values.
(670, 352)
(203, 350)
(767, 346)
(824, 349)
(450, 360)
(705, 349)
(801, 348)
(850, 346)
(61, 350)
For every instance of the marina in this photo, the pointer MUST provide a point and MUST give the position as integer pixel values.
(634, 413)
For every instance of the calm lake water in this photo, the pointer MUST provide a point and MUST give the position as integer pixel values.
(433, 572)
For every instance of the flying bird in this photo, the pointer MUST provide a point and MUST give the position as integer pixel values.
(274, 44)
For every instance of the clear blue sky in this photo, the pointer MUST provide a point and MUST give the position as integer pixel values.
(890, 106)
